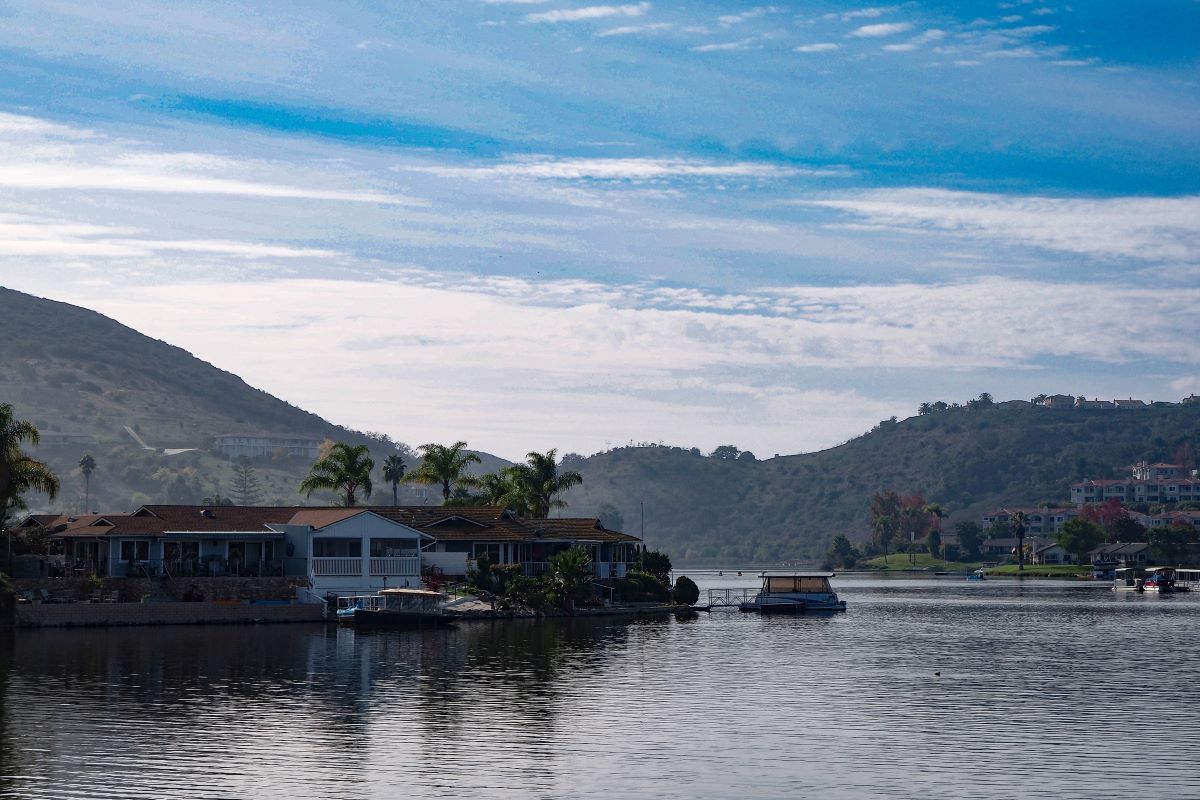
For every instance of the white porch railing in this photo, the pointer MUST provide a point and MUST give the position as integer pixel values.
(402, 565)
(336, 566)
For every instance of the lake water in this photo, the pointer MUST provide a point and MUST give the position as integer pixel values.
(1047, 689)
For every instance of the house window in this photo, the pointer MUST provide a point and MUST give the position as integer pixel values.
(392, 548)
(135, 551)
(490, 549)
(337, 548)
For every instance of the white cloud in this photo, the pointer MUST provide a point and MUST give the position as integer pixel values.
(931, 35)
(717, 47)
(816, 47)
(40, 156)
(1165, 228)
(588, 12)
(620, 169)
(753, 13)
(630, 30)
(862, 13)
(880, 29)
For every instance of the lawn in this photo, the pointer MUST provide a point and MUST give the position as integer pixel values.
(1041, 571)
(898, 562)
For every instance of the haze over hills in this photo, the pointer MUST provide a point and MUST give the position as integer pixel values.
(71, 370)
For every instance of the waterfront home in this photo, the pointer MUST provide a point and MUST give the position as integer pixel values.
(1052, 554)
(1128, 554)
(339, 550)
(462, 534)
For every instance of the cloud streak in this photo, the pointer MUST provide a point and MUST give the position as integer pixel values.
(588, 13)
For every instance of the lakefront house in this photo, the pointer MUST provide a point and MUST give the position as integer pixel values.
(338, 550)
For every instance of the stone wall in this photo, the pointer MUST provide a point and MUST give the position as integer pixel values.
(92, 614)
(135, 590)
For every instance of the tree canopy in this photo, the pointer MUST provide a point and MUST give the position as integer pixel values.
(444, 466)
(393, 473)
(346, 470)
(19, 473)
(1079, 536)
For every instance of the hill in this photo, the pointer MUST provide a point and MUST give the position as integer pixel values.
(74, 371)
(969, 460)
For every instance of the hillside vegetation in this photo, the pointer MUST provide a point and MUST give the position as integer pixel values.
(72, 370)
(968, 460)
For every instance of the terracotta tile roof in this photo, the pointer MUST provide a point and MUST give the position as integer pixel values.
(320, 517)
(479, 523)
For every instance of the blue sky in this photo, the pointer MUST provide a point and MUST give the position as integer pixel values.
(573, 224)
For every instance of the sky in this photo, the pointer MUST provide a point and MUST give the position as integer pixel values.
(542, 223)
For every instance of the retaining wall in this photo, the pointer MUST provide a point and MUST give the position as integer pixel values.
(55, 615)
(134, 590)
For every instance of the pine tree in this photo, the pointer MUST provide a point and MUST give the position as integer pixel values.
(245, 488)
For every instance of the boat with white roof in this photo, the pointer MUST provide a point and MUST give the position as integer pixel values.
(795, 593)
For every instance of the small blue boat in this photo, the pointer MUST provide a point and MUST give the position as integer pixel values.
(795, 593)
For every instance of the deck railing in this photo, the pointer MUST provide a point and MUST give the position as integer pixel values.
(401, 565)
(322, 567)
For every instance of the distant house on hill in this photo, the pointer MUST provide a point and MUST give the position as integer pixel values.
(1190, 400)
(1095, 403)
(1058, 401)
(1130, 404)
(1038, 521)
(1152, 472)
(237, 445)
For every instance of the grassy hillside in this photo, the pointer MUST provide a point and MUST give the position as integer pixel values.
(72, 370)
(786, 508)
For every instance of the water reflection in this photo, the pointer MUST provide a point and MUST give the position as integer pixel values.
(1040, 685)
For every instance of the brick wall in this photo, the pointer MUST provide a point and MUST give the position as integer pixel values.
(81, 614)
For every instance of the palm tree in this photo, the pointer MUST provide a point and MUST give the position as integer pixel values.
(1016, 524)
(571, 576)
(538, 481)
(444, 465)
(346, 469)
(87, 465)
(393, 473)
(497, 488)
(18, 472)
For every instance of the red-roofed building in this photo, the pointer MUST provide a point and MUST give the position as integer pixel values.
(340, 550)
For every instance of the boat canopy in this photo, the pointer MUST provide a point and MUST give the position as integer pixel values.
(411, 593)
(807, 582)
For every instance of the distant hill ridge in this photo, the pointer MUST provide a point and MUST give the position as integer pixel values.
(73, 370)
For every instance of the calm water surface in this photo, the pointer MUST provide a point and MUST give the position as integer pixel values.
(1046, 689)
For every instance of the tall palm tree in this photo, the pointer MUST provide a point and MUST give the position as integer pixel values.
(393, 473)
(1016, 523)
(444, 465)
(345, 470)
(538, 482)
(87, 465)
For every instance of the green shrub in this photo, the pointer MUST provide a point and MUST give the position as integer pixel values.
(686, 590)
(526, 592)
(641, 587)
